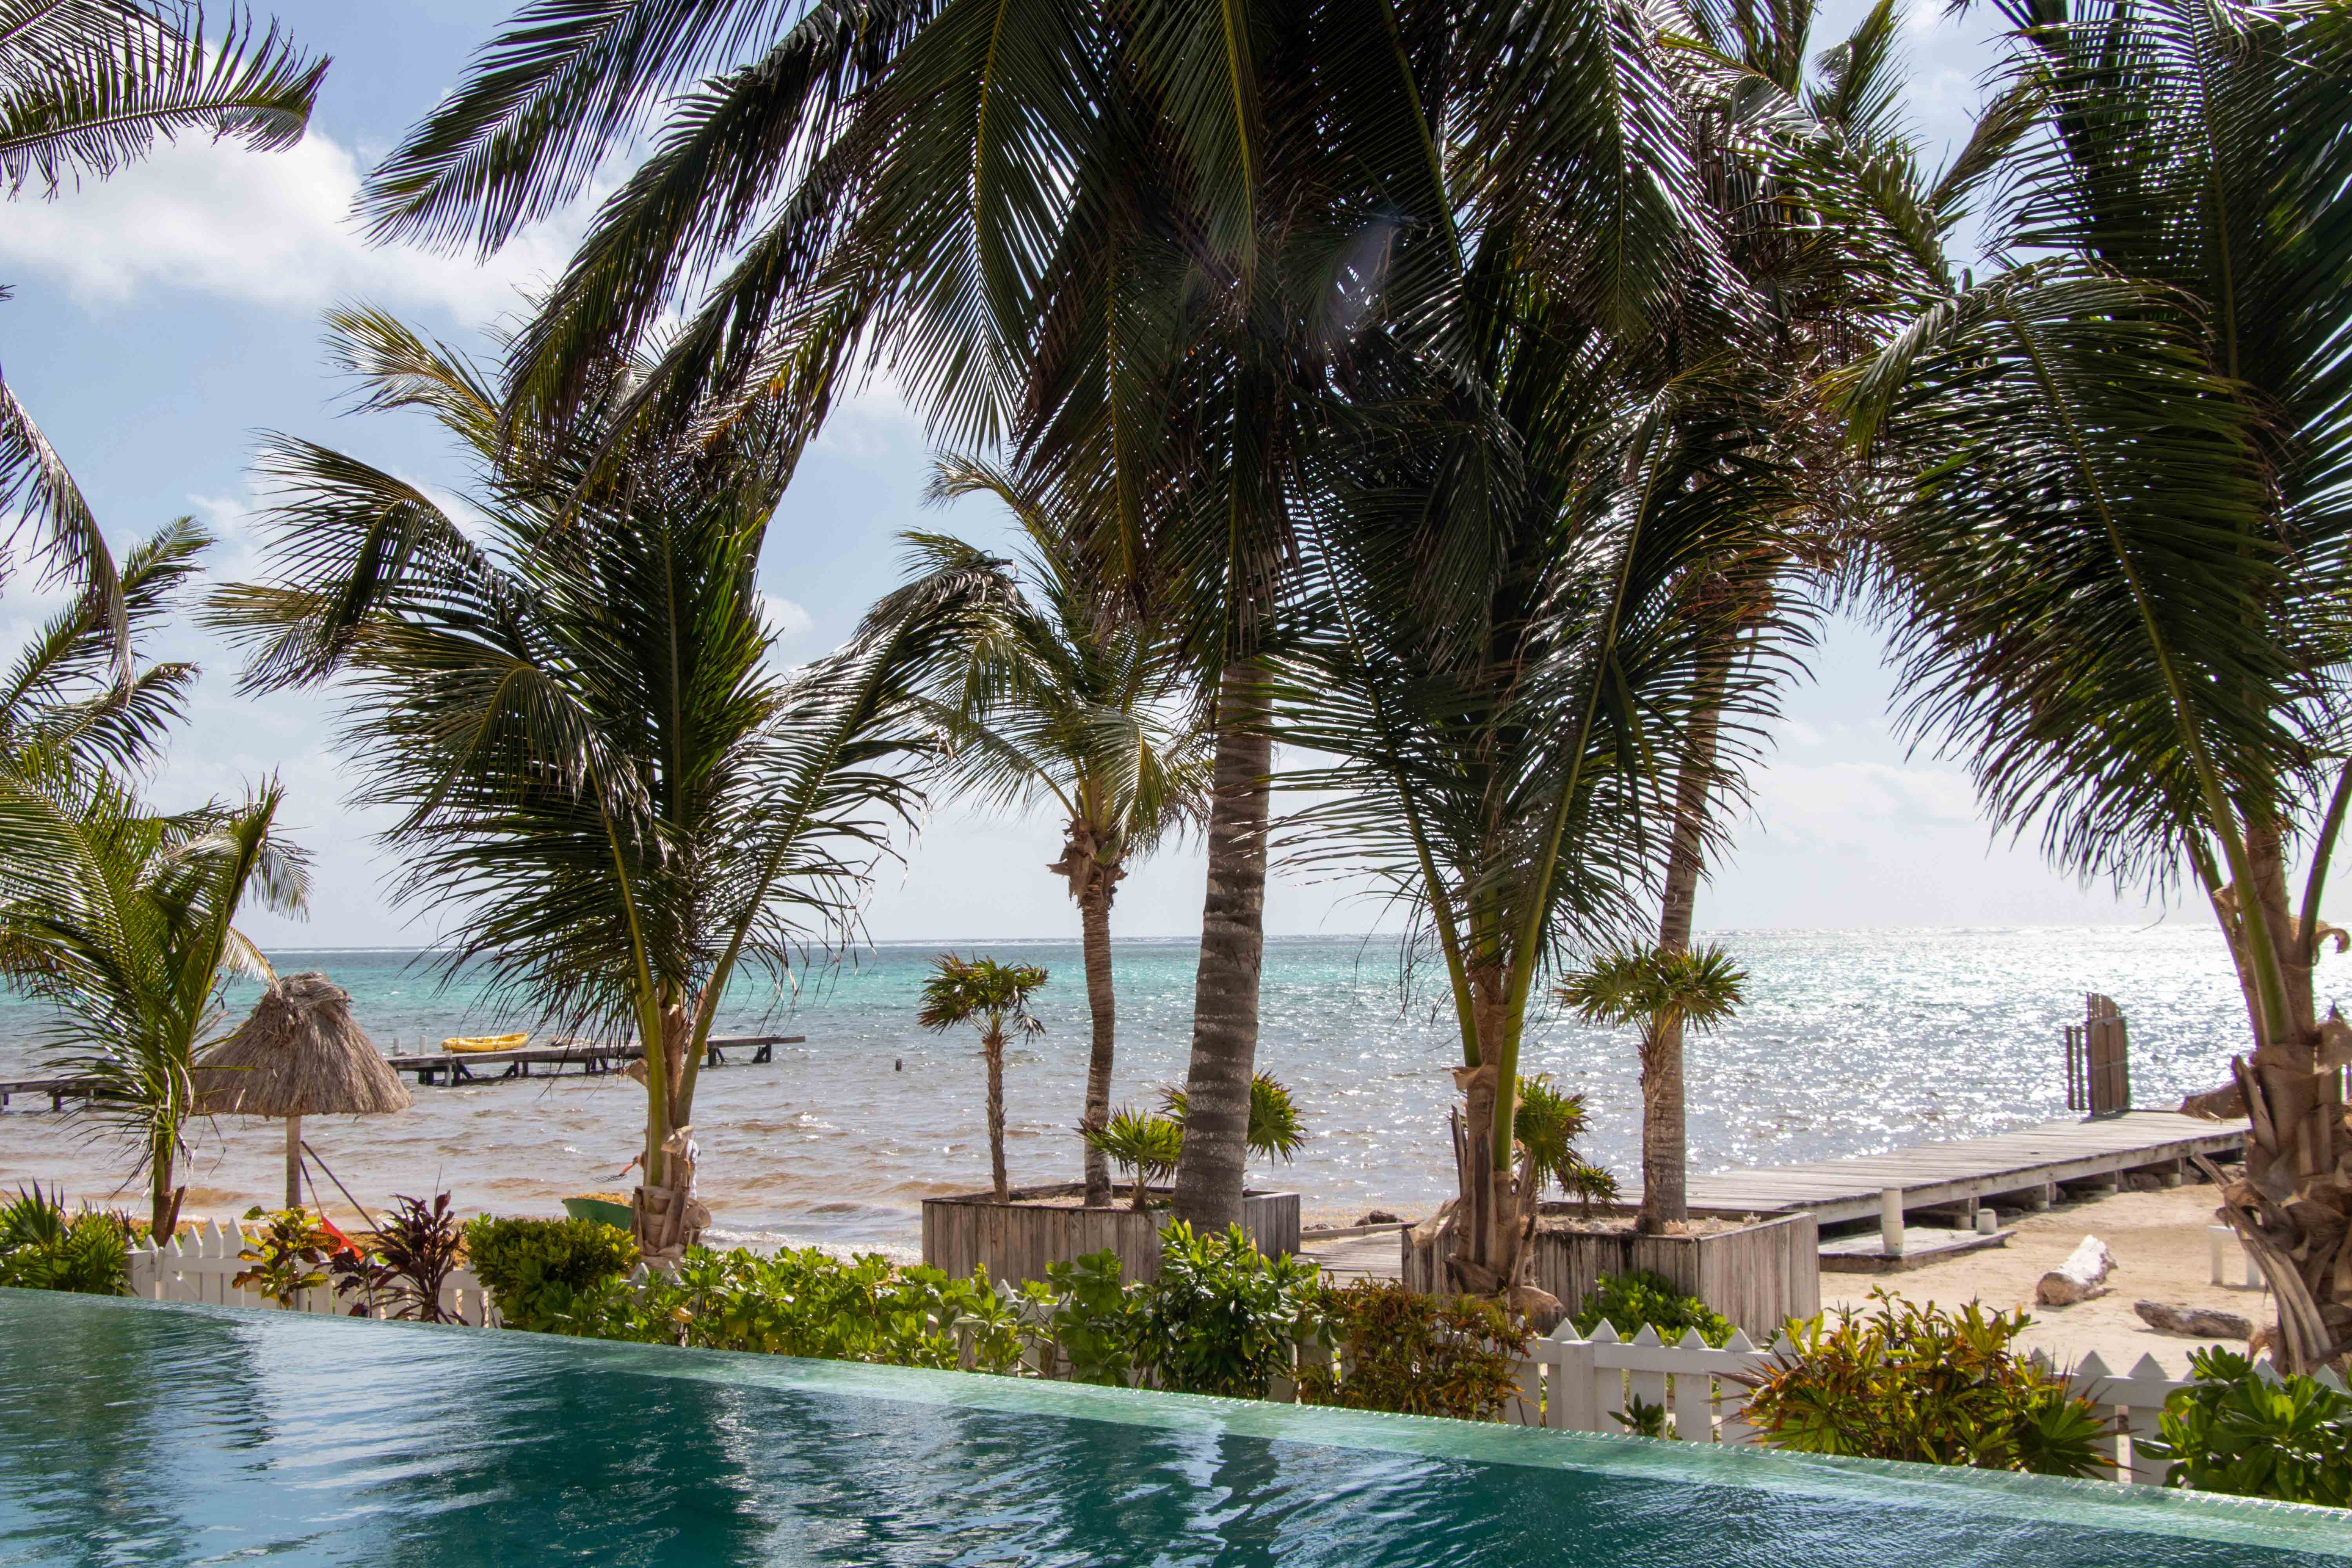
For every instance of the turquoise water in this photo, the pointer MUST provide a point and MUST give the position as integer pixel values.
(138, 1434)
(1850, 1043)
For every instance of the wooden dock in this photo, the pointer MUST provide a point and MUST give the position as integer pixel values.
(2023, 1169)
(2027, 1165)
(594, 1060)
(58, 1090)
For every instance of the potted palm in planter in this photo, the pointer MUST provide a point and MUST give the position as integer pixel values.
(1757, 1273)
(1015, 1233)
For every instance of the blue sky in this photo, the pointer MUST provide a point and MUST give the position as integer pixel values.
(162, 319)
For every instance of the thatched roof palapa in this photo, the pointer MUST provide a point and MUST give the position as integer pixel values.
(298, 1054)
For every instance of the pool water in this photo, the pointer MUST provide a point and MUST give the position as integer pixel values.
(138, 1433)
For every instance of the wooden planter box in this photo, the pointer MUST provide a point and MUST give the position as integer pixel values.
(1759, 1276)
(1017, 1240)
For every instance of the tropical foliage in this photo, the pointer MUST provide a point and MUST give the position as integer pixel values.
(86, 87)
(1276, 1129)
(535, 1269)
(1416, 1354)
(406, 1260)
(1664, 992)
(596, 767)
(991, 997)
(1632, 1302)
(1062, 698)
(42, 1247)
(2234, 1430)
(1547, 1124)
(1919, 1382)
(2113, 567)
(121, 919)
(1145, 1146)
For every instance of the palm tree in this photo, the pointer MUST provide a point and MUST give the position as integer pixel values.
(2113, 572)
(992, 996)
(86, 86)
(123, 920)
(1148, 249)
(1058, 697)
(599, 772)
(65, 699)
(1664, 990)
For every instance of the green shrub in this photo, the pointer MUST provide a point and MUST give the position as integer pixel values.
(1631, 1301)
(1092, 1320)
(1417, 1355)
(42, 1249)
(1223, 1316)
(805, 1303)
(535, 1268)
(2236, 1431)
(1920, 1384)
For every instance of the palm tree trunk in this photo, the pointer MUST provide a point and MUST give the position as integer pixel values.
(1094, 913)
(1665, 1167)
(1215, 1162)
(991, 1046)
(163, 1197)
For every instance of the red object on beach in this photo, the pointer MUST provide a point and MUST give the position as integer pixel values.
(342, 1242)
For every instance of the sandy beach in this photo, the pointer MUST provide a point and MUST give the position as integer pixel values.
(2160, 1245)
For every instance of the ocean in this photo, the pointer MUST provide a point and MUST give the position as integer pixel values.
(1850, 1041)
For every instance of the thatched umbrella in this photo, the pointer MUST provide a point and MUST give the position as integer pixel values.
(298, 1054)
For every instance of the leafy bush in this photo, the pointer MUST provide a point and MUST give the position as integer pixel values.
(290, 1257)
(1630, 1300)
(1091, 1323)
(535, 1269)
(1920, 1384)
(803, 1303)
(42, 1249)
(1417, 1355)
(2236, 1431)
(417, 1247)
(1223, 1316)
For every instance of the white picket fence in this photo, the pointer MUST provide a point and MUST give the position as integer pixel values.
(202, 1264)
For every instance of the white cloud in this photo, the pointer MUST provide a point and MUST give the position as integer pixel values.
(785, 618)
(1859, 802)
(270, 229)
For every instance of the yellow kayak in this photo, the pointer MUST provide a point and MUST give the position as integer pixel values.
(463, 1045)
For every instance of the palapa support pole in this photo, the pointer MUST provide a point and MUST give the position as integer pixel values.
(293, 1161)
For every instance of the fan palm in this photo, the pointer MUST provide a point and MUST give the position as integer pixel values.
(573, 707)
(124, 921)
(1145, 247)
(1059, 697)
(2116, 578)
(86, 86)
(1664, 990)
(990, 997)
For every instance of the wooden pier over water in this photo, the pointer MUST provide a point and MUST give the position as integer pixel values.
(451, 1067)
(592, 1059)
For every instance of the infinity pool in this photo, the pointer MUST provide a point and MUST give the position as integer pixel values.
(135, 1433)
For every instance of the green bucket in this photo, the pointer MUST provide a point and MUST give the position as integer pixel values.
(613, 1214)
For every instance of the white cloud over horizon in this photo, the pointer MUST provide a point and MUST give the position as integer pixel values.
(273, 230)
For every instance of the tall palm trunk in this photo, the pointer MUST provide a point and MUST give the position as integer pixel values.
(991, 1047)
(1666, 1162)
(1215, 1162)
(1093, 915)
